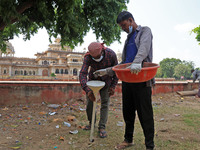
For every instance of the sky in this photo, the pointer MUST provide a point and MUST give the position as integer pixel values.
(171, 22)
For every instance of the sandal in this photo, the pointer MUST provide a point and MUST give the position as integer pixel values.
(102, 133)
(123, 145)
(88, 127)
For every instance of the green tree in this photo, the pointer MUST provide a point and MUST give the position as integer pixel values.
(167, 66)
(159, 73)
(71, 19)
(197, 31)
(53, 75)
(183, 69)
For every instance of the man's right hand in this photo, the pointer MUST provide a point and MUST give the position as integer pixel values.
(91, 96)
(100, 72)
(135, 67)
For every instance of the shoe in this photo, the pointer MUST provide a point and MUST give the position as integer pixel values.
(123, 145)
(102, 133)
(88, 127)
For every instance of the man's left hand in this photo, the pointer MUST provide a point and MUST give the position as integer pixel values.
(135, 67)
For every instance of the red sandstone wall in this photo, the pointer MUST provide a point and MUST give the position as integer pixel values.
(168, 87)
(17, 93)
(37, 93)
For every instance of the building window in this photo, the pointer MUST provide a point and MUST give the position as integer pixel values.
(4, 72)
(66, 71)
(30, 73)
(75, 72)
(61, 71)
(15, 72)
(45, 62)
(74, 60)
(33, 72)
(57, 70)
(21, 72)
(25, 73)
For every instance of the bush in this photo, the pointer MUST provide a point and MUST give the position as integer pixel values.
(53, 75)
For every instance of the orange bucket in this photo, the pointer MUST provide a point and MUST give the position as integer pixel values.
(147, 72)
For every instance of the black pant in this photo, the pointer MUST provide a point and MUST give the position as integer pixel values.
(137, 97)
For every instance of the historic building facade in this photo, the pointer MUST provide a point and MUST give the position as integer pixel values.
(63, 62)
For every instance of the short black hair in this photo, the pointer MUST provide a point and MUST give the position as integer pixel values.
(192, 70)
(124, 15)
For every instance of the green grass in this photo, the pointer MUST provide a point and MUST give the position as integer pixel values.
(192, 120)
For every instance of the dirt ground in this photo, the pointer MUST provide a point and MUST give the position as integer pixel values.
(48, 127)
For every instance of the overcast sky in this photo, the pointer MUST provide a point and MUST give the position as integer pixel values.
(170, 21)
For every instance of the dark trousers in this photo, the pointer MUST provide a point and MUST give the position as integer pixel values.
(105, 100)
(137, 97)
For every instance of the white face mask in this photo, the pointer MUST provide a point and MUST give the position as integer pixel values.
(99, 59)
(130, 29)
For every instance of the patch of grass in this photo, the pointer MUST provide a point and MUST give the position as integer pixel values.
(41, 147)
(192, 120)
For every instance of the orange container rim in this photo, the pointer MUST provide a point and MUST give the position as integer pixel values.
(121, 67)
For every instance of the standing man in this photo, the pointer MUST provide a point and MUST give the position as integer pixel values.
(99, 57)
(136, 96)
(196, 76)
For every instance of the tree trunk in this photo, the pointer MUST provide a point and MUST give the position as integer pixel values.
(188, 93)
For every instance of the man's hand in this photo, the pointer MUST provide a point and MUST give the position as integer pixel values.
(111, 91)
(135, 68)
(101, 72)
(91, 96)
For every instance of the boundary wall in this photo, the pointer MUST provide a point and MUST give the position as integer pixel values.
(26, 92)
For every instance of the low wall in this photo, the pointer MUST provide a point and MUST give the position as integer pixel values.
(13, 92)
(174, 86)
(18, 92)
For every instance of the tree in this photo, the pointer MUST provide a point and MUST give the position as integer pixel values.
(53, 75)
(159, 73)
(183, 69)
(167, 66)
(197, 31)
(70, 19)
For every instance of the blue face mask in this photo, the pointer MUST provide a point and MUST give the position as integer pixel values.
(130, 29)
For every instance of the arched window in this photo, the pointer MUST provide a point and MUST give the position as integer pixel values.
(33, 72)
(66, 71)
(61, 71)
(45, 62)
(57, 71)
(15, 72)
(75, 72)
(75, 60)
(25, 73)
(4, 71)
(21, 72)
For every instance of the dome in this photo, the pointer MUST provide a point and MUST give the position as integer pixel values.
(9, 48)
